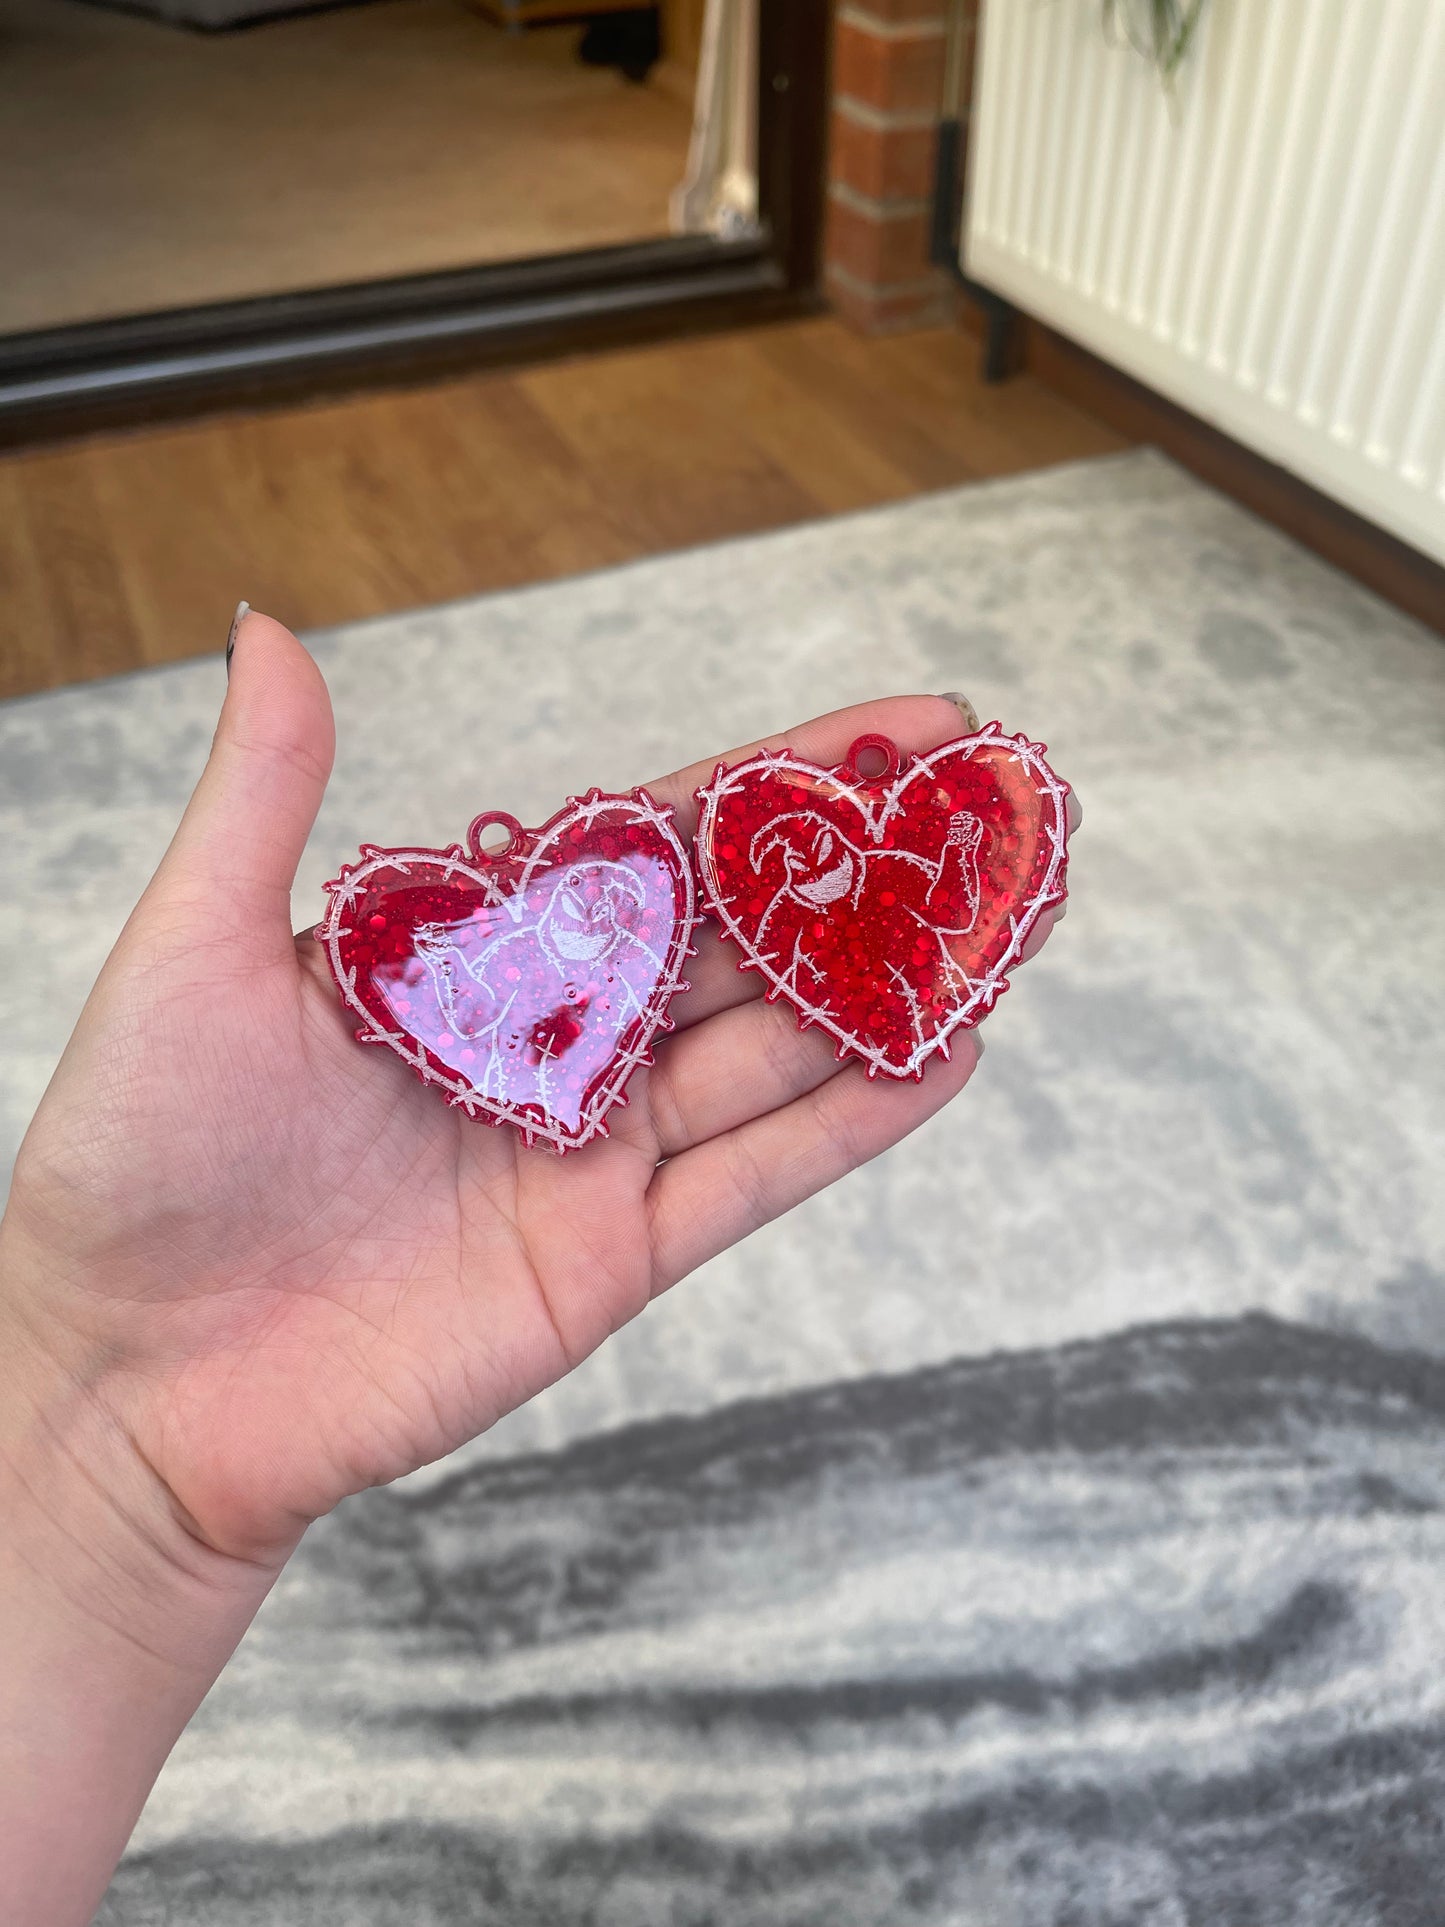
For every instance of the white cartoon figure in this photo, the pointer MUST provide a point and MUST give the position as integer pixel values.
(822, 871)
(515, 985)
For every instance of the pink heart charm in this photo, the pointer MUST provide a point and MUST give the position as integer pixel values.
(526, 983)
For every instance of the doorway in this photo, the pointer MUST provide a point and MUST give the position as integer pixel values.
(204, 209)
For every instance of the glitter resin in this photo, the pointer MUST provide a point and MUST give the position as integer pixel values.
(886, 900)
(525, 982)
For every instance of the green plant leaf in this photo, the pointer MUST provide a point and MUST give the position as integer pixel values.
(1161, 30)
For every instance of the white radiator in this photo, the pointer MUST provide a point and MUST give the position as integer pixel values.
(1266, 247)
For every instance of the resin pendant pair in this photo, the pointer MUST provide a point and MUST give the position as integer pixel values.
(886, 899)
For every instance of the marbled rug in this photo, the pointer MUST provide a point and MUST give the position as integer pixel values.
(1045, 1526)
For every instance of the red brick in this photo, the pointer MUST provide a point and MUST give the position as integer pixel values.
(877, 248)
(926, 304)
(893, 73)
(885, 163)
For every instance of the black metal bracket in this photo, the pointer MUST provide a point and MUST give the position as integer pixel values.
(1001, 332)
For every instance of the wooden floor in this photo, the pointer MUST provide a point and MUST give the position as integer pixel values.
(135, 548)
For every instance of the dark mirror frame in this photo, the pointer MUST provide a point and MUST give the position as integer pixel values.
(95, 374)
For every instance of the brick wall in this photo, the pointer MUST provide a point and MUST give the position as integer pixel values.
(889, 67)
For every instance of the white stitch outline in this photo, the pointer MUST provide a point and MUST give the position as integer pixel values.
(875, 811)
(636, 807)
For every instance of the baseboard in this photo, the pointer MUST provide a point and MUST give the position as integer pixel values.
(1382, 562)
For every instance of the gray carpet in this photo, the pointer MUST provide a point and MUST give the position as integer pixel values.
(1046, 1525)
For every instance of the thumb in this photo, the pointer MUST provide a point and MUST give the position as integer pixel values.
(233, 859)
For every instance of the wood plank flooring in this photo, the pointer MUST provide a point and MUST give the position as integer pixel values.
(134, 548)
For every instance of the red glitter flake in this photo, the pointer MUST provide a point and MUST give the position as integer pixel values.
(886, 908)
(526, 984)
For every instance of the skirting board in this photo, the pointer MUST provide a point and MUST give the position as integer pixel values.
(1383, 563)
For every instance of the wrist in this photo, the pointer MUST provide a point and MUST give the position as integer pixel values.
(99, 1529)
(115, 1617)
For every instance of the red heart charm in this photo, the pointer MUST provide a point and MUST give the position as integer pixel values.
(887, 908)
(528, 982)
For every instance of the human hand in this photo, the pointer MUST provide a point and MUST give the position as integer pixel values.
(249, 1268)
(303, 1273)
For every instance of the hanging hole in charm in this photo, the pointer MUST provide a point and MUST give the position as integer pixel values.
(501, 831)
(873, 759)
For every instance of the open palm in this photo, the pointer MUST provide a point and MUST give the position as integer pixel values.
(306, 1273)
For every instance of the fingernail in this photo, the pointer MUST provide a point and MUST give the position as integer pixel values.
(965, 709)
(243, 609)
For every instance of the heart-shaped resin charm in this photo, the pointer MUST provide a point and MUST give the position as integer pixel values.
(887, 907)
(527, 982)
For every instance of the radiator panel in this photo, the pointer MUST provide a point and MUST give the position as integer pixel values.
(1264, 245)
